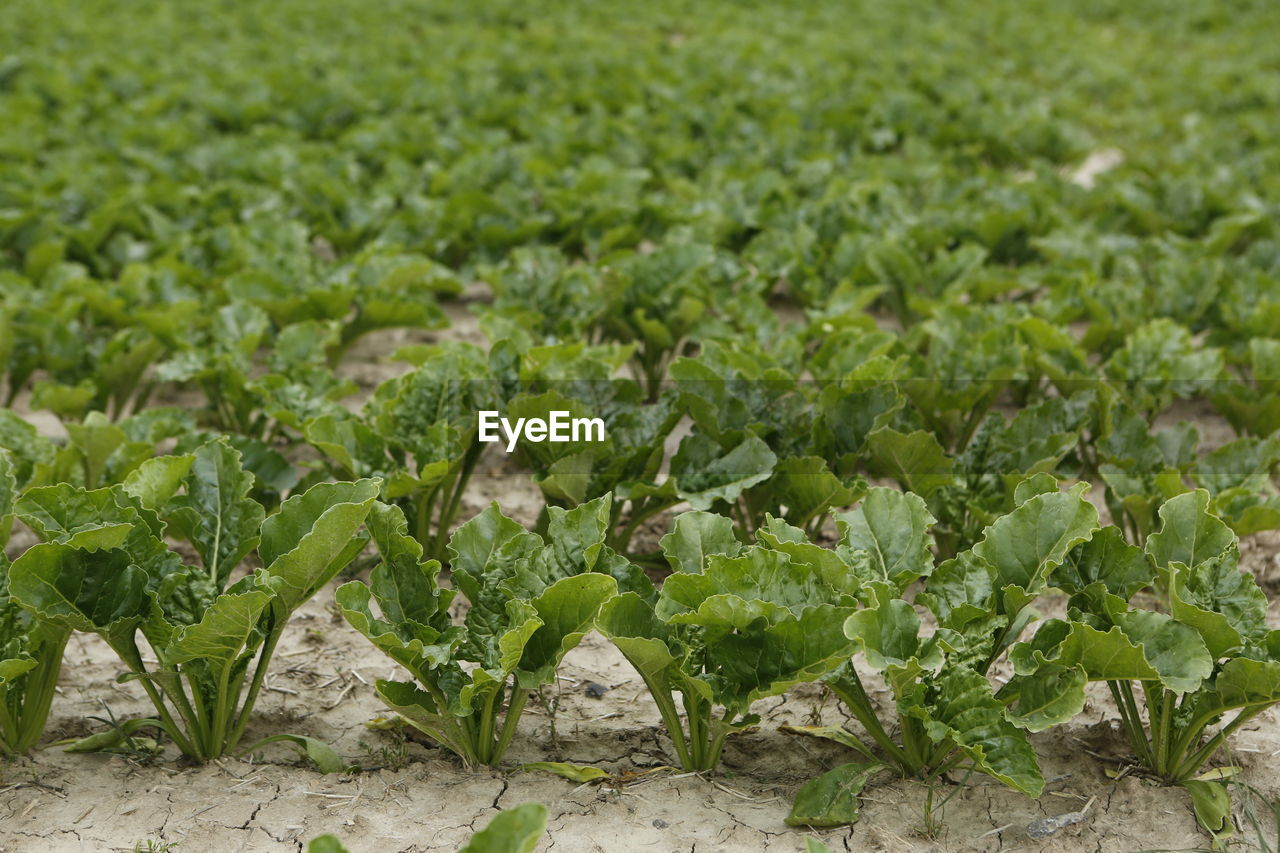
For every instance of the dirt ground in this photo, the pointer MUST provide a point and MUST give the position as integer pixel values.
(410, 796)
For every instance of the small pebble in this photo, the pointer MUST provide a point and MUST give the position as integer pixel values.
(595, 691)
(659, 823)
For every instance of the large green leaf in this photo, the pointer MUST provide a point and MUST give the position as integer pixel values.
(223, 632)
(694, 537)
(893, 529)
(85, 519)
(705, 473)
(1243, 682)
(745, 666)
(761, 579)
(215, 513)
(406, 588)
(807, 488)
(1189, 533)
(1107, 559)
(1028, 543)
(888, 633)
(958, 704)
(156, 481)
(567, 609)
(100, 591)
(915, 460)
(312, 537)
(1175, 650)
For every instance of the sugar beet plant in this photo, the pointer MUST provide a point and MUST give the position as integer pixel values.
(1187, 667)
(945, 712)
(418, 434)
(733, 624)
(30, 647)
(104, 568)
(531, 601)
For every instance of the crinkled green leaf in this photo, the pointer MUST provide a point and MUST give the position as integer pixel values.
(1107, 559)
(807, 488)
(1046, 698)
(567, 609)
(893, 529)
(888, 633)
(1175, 650)
(223, 632)
(694, 537)
(101, 591)
(1189, 533)
(312, 537)
(215, 513)
(756, 575)
(705, 474)
(915, 460)
(1028, 543)
(157, 480)
(958, 704)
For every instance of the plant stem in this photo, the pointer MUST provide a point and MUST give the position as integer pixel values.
(1190, 766)
(1122, 692)
(130, 655)
(202, 728)
(226, 701)
(34, 713)
(450, 507)
(697, 742)
(1163, 738)
(638, 516)
(422, 527)
(515, 707)
(259, 674)
(484, 736)
(663, 697)
(848, 687)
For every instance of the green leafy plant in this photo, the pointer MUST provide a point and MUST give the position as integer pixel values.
(1159, 363)
(1251, 403)
(531, 601)
(1185, 676)
(418, 434)
(104, 568)
(751, 454)
(733, 624)
(945, 711)
(30, 648)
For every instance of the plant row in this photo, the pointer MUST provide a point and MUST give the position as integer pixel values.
(1174, 628)
(765, 436)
